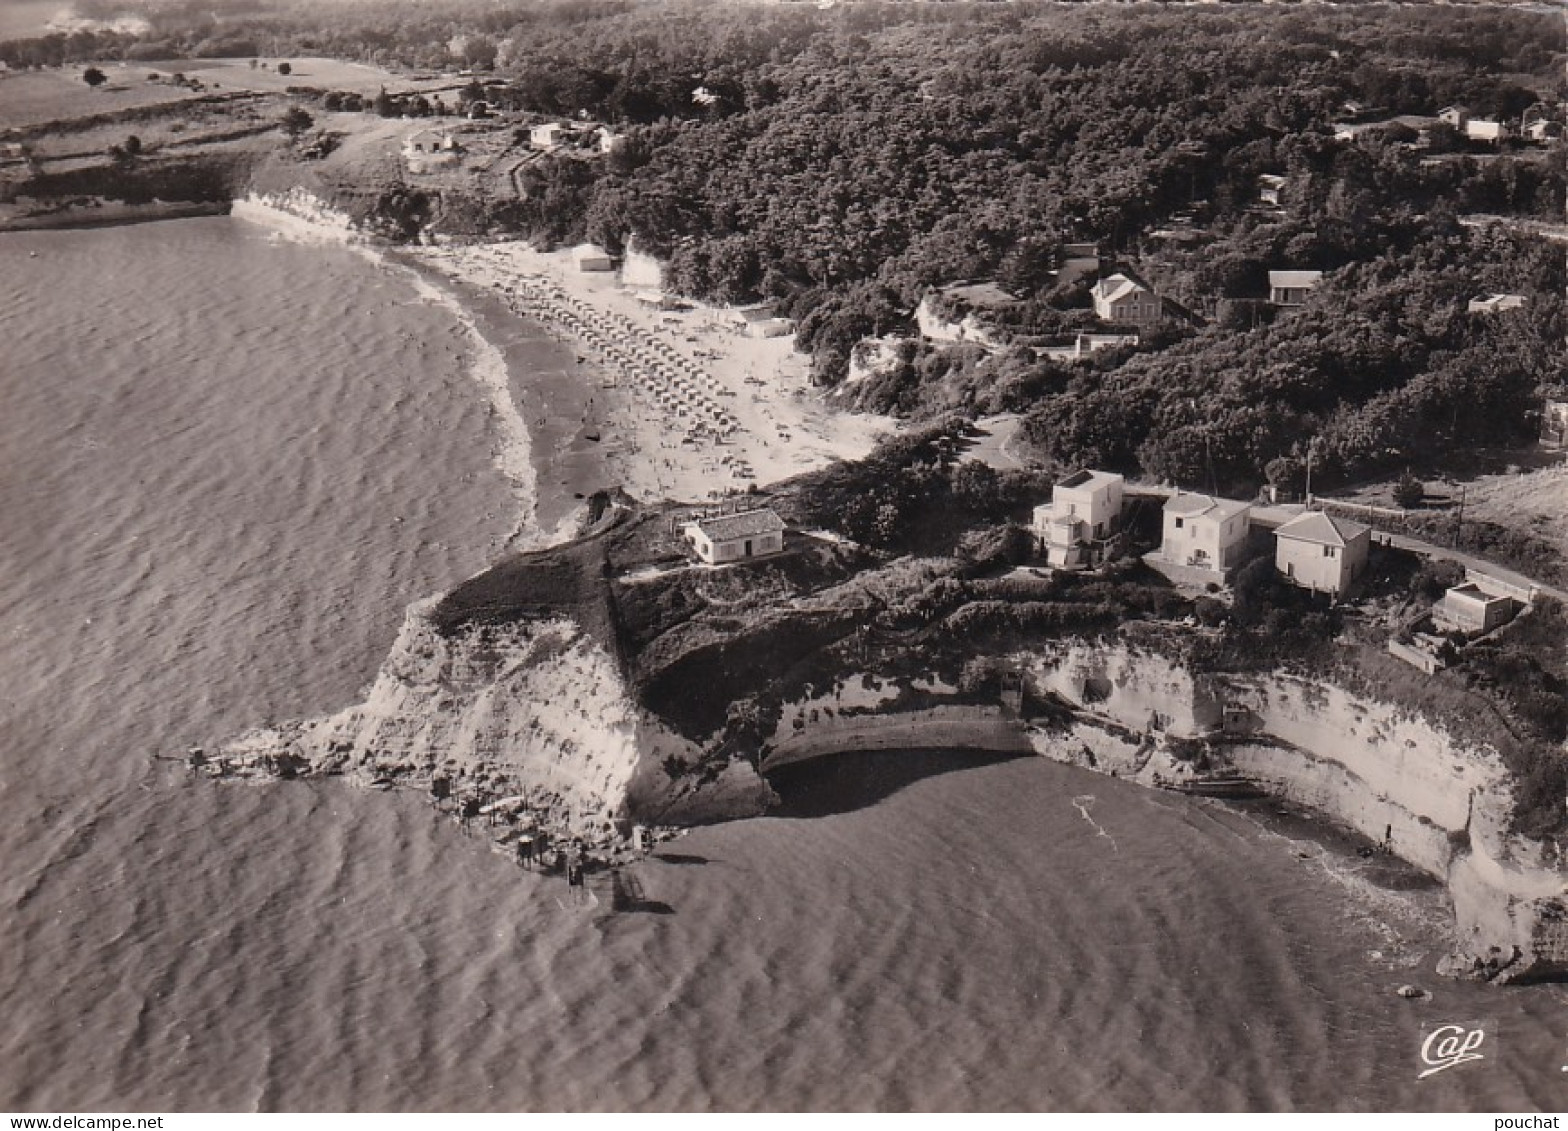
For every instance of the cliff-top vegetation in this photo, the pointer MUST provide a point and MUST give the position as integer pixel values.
(843, 163)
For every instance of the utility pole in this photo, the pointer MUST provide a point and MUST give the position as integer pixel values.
(1309, 475)
(1459, 520)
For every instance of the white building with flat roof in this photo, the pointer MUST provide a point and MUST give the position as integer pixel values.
(1470, 608)
(1491, 304)
(546, 135)
(1291, 288)
(1085, 509)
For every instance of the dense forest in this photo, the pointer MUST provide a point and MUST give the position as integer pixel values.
(842, 163)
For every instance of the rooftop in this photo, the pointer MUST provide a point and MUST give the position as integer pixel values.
(1188, 503)
(1090, 479)
(1497, 302)
(1295, 279)
(1113, 287)
(1474, 592)
(745, 524)
(1324, 529)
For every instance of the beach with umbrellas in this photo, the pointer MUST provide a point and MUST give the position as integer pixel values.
(695, 406)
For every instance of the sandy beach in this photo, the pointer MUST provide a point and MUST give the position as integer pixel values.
(676, 404)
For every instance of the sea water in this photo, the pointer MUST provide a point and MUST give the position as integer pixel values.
(227, 461)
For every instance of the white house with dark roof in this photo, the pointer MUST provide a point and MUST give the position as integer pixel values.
(1291, 288)
(735, 537)
(1322, 552)
(1203, 532)
(1118, 298)
(1456, 116)
(1085, 509)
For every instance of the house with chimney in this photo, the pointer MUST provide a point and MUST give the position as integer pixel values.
(427, 150)
(1121, 299)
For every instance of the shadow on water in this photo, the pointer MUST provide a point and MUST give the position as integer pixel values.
(626, 894)
(858, 779)
(679, 858)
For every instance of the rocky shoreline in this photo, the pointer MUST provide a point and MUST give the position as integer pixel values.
(97, 212)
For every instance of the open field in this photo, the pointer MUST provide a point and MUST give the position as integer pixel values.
(35, 97)
(1521, 488)
(323, 74)
(1535, 499)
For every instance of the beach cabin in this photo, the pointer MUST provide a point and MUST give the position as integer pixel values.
(770, 328)
(1456, 116)
(1120, 299)
(1204, 533)
(1543, 130)
(1084, 511)
(591, 257)
(736, 537)
(1291, 288)
(1322, 552)
(1270, 185)
(1469, 608)
(606, 139)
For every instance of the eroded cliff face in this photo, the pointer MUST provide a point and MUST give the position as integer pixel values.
(1443, 804)
(535, 710)
(540, 710)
